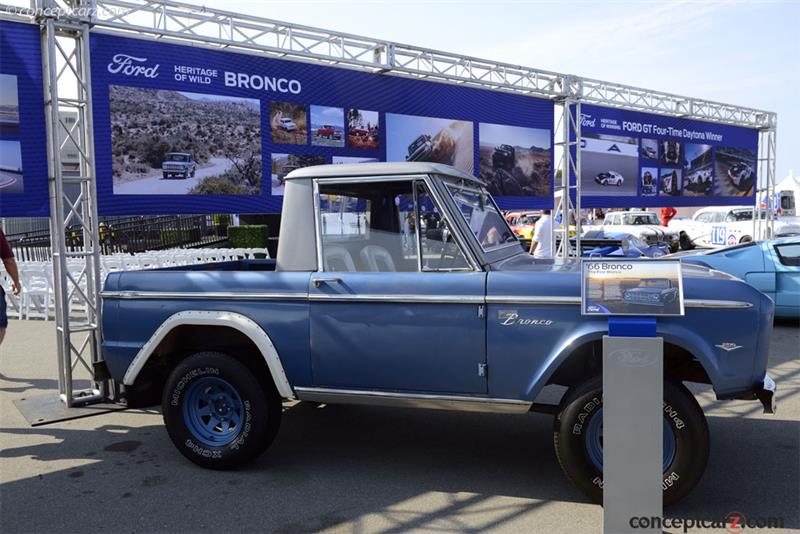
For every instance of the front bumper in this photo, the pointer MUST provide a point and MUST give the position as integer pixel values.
(765, 392)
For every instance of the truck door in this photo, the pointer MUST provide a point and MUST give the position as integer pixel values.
(396, 305)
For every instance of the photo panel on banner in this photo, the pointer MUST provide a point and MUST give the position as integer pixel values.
(634, 159)
(23, 146)
(189, 130)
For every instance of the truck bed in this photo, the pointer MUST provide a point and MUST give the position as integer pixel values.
(239, 265)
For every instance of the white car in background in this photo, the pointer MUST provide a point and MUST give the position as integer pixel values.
(609, 178)
(646, 225)
(287, 124)
(723, 226)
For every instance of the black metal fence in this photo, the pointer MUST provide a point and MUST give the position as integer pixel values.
(131, 235)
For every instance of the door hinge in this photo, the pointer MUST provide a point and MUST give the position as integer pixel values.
(481, 369)
(480, 311)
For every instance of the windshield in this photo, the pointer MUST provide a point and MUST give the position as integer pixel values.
(528, 219)
(640, 218)
(636, 242)
(655, 282)
(177, 157)
(740, 215)
(483, 217)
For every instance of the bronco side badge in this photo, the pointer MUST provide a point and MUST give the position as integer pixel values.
(728, 346)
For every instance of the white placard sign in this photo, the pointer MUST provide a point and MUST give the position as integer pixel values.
(631, 287)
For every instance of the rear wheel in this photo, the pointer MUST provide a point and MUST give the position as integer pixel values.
(685, 242)
(746, 239)
(578, 440)
(217, 413)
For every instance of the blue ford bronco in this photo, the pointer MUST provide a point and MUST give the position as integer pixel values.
(402, 285)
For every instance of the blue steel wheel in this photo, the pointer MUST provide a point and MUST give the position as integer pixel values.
(219, 412)
(593, 440)
(578, 443)
(213, 411)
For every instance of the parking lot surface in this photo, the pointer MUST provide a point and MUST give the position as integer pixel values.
(359, 469)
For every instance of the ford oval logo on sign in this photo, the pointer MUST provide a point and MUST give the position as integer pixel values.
(132, 66)
(634, 358)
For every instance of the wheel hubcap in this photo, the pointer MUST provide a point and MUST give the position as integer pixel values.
(213, 411)
(593, 441)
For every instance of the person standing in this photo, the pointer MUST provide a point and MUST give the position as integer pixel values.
(667, 214)
(541, 244)
(7, 256)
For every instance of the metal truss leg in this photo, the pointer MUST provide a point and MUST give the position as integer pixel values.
(76, 263)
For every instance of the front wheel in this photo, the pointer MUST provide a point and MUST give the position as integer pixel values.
(685, 242)
(578, 439)
(217, 413)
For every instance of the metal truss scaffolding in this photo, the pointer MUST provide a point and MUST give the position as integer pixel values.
(763, 226)
(65, 44)
(76, 269)
(566, 215)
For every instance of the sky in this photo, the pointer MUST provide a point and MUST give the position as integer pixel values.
(693, 150)
(498, 134)
(10, 155)
(8, 90)
(406, 129)
(743, 53)
(321, 115)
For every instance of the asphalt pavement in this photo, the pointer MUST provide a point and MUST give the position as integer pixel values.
(356, 468)
(158, 185)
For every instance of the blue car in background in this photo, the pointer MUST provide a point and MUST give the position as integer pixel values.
(619, 245)
(772, 266)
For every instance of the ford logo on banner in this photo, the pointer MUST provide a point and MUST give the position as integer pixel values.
(132, 66)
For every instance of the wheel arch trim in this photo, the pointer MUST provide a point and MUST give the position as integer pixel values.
(237, 321)
(581, 339)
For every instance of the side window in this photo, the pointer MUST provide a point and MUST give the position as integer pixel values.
(368, 227)
(438, 246)
(789, 254)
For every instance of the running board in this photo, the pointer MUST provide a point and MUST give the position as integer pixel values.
(412, 400)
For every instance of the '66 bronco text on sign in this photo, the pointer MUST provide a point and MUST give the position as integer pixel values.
(632, 287)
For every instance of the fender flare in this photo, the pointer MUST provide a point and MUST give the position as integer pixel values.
(237, 321)
(571, 344)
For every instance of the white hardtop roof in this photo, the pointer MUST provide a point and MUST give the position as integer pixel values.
(379, 169)
(724, 209)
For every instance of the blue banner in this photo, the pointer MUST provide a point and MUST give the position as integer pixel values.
(634, 159)
(23, 147)
(190, 130)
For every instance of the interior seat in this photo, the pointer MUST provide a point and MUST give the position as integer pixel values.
(338, 259)
(377, 259)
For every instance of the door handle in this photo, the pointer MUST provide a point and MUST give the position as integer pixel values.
(319, 281)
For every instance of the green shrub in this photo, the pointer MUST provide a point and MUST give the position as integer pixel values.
(217, 185)
(248, 236)
(221, 219)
